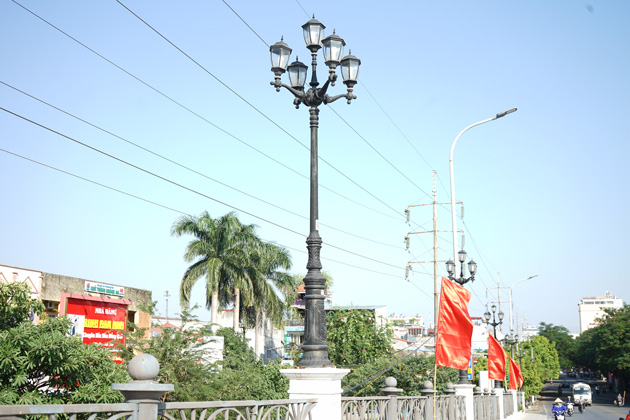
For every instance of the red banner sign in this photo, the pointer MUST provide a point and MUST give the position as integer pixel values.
(97, 322)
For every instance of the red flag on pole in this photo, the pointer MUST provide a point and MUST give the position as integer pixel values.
(520, 376)
(496, 359)
(513, 375)
(454, 329)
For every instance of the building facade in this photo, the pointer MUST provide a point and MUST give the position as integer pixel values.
(99, 311)
(592, 308)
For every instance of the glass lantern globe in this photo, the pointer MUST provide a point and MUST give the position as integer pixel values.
(297, 74)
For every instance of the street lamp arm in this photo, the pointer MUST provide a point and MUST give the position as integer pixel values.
(300, 94)
(330, 99)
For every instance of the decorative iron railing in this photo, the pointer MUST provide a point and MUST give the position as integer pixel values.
(411, 408)
(207, 410)
(364, 408)
(238, 410)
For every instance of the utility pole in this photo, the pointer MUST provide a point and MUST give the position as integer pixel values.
(166, 295)
(435, 261)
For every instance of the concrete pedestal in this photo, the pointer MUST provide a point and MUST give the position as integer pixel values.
(321, 383)
(467, 391)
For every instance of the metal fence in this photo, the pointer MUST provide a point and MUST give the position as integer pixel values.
(451, 407)
(207, 410)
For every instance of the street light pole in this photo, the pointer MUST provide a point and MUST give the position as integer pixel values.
(450, 162)
(314, 349)
(511, 287)
(461, 280)
(494, 323)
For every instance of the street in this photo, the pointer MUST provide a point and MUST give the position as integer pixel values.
(602, 408)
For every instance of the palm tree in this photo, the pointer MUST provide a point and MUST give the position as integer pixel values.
(221, 252)
(272, 262)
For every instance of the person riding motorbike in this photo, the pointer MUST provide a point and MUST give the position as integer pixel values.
(619, 400)
(580, 404)
(569, 406)
(558, 408)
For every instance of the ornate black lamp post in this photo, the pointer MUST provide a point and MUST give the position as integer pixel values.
(472, 268)
(315, 350)
(494, 323)
(511, 339)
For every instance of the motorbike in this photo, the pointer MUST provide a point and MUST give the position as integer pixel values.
(570, 409)
(559, 415)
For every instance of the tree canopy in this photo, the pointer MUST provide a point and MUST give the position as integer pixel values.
(606, 347)
(42, 364)
(565, 345)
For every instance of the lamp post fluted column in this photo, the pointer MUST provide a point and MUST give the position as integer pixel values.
(314, 348)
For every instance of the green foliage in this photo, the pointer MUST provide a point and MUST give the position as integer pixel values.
(480, 365)
(606, 348)
(182, 354)
(355, 338)
(16, 305)
(410, 373)
(236, 352)
(545, 364)
(565, 345)
(183, 358)
(40, 364)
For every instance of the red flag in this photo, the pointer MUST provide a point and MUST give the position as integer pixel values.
(520, 376)
(454, 329)
(496, 359)
(513, 375)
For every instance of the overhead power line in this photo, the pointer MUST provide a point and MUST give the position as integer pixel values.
(345, 197)
(252, 106)
(185, 187)
(169, 208)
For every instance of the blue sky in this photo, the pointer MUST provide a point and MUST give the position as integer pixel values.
(545, 189)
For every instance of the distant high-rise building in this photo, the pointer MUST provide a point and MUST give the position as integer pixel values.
(591, 308)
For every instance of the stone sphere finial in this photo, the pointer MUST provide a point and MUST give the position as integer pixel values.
(390, 381)
(449, 385)
(428, 385)
(143, 367)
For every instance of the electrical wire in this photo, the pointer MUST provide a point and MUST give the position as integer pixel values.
(192, 170)
(252, 106)
(169, 208)
(186, 188)
(199, 116)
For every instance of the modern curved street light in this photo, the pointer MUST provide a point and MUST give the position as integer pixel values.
(315, 350)
(499, 115)
(511, 287)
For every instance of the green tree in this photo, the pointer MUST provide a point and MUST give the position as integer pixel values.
(16, 305)
(229, 255)
(410, 373)
(41, 364)
(606, 348)
(563, 341)
(355, 337)
(183, 355)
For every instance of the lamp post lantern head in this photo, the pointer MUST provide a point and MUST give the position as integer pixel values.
(333, 50)
(500, 316)
(313, 34)
(450, 267)
(486, 316)
(461, 256)
(280, 53)
(297, 74)
(350, 70)
(494, 308)
(472, 267)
